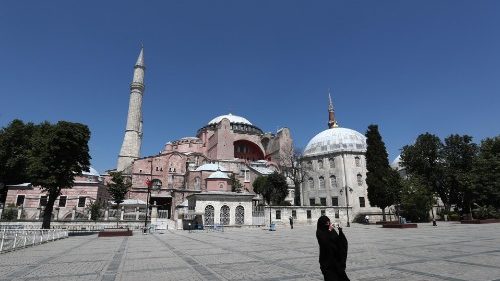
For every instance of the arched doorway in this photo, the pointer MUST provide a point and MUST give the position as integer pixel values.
(209, 215)
(224, 215)
(239, 217)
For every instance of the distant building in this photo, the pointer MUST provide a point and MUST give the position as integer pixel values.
(71, 204)
(193, 172)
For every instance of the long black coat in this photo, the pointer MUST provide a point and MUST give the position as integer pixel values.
(332, 253)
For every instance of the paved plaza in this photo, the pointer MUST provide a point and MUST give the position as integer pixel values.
(448, 252)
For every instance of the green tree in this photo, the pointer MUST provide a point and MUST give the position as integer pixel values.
(380, 191)
(277, 188)
(486, 174)
(424, 160)
(118, 187)
(260, 187)
(458, 156)
(94, 207)
(15, 143)
(416, 199)
(58, 153)
(236, 185)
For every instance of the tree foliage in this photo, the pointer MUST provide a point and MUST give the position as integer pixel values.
(273, 188)
(118, 187)
(416, 199)
(485, 179)
(15, 143)
(378, 177)
(458, 156)
(236, 185)
(423, 160)
(57, 154)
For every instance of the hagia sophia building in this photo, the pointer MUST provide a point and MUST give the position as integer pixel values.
(192, 176)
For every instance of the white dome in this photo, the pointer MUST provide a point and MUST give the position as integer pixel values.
(91, 172)
(396, 162)
(336, 140)
(232, 119)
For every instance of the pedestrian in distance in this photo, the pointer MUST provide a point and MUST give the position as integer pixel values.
(434, 222)
(332, 250)
(291, 222)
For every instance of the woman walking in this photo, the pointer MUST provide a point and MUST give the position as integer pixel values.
(332, 250)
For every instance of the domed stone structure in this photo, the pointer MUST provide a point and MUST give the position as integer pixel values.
(334, 161)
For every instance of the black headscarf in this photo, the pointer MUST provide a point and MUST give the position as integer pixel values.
(332, 251)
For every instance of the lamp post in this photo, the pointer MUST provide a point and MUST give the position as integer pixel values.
(149, 182)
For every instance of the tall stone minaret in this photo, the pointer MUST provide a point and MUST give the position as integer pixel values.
(131, 146)
(332, 123)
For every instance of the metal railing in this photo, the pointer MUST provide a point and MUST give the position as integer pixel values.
(12, 239)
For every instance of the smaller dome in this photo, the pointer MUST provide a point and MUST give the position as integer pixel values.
(336, 140)
(395, 164)
(218, 175)
(91, 172)
(232, 119)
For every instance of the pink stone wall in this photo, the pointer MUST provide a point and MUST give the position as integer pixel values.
(218, 185)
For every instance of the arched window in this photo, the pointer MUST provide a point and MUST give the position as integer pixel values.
(197, 183)
(310, 183)
(331, 162)
(224, 215)
(320, 164)
(239, 217)
(333, 181)
(209, 215)
(321, 182)
(357, 161)
(360, 180)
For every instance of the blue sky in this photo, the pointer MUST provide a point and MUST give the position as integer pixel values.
(408, 66)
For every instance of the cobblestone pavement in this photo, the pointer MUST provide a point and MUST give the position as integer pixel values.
(448, 252)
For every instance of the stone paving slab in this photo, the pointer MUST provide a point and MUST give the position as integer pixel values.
(450, 252)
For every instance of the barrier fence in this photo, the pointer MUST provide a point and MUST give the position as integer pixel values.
(12, 239)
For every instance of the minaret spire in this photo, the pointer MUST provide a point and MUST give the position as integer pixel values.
(132, 140)
(332, 123)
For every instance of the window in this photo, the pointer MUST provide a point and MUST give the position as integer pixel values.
(140, 171)
(239, 215)
(20, 200)
(311, 183)
(224, 215)
(62, 201)
(43, 201)
(278, 214)
(294, 214)
(333, 181)
(309, 214)
(335, 201)
(197, 183)
(321, 182)
(331, 162)
(322, 201)
(337, 214)
(361, 202)
(312, 202)
(157, 169)
(357, 161)
(320, 164)
(209, 215)
(81, 201)
(323, 212)
(360, 180)
(221, 185)
(247, 176)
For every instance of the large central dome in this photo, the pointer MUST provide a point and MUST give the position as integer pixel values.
(232, 119)
(336, 140)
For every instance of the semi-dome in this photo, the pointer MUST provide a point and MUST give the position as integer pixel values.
(232, 119)
(336, 140)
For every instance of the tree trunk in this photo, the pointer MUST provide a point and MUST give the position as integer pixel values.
(47, 212)
(383, 214)
(297, 194)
